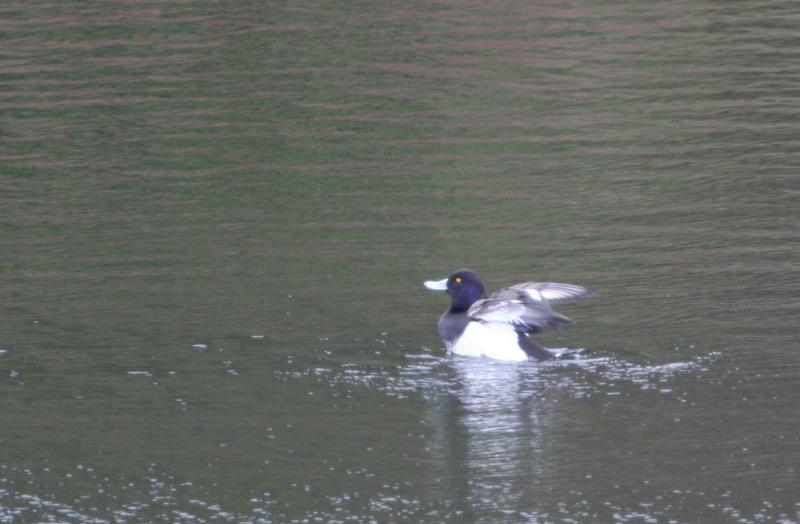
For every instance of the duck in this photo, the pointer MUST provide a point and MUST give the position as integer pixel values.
(501, 326)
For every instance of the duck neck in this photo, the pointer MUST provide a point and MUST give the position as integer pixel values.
(459, 308)
(462, 302)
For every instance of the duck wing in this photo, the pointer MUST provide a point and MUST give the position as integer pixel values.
(524, 315)
(542, 293)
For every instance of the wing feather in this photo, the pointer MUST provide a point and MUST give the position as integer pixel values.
(536, 292)
(524, 316)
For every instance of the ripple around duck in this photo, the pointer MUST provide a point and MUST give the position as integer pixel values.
(428, 375)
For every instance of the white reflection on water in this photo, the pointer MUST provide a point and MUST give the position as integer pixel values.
(489, 430)
(496, 420)
(493, 422)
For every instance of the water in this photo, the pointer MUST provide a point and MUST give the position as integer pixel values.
(217, 217)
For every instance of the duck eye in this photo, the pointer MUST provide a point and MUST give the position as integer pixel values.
(457, 280)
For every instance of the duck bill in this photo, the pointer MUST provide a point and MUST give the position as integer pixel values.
(436, 285)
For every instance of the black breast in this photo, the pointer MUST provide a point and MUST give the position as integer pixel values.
(452, 325)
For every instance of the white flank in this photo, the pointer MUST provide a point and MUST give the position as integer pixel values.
(489, 339)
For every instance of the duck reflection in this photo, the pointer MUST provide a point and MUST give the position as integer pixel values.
(491, 429)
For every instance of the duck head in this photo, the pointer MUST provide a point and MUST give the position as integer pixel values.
(464, 287)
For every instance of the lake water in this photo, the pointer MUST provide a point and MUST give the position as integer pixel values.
(216, 217)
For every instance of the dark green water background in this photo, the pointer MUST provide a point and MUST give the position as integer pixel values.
(216, 216)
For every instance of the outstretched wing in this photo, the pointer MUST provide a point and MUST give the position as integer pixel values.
(525, 316)
(542, 293)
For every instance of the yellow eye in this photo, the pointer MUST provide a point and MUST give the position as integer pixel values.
(457, 280)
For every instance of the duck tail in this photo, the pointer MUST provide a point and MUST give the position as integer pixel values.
(539, 352)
